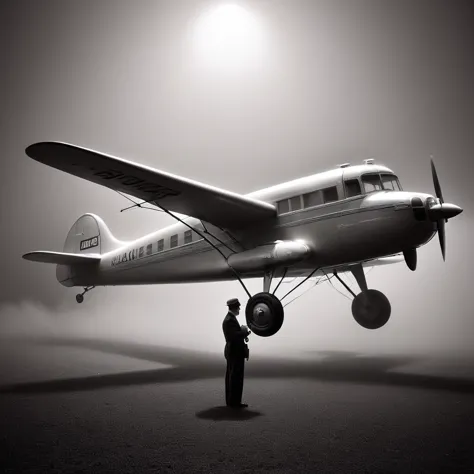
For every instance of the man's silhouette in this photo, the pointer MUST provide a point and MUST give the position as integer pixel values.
(236, 351)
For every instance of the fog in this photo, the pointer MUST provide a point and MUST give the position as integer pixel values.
(336, 81)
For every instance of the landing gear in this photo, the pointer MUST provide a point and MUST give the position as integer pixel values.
(370, 308)
(264, 314)
(80, 296)
(264, 311)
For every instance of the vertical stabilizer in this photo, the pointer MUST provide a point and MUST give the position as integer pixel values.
(88, 235)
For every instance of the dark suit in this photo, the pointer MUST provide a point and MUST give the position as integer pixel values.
(235, 353)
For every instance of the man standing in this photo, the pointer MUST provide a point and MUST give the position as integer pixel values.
(236, 351)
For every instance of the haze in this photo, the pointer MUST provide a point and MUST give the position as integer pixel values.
(334, 82)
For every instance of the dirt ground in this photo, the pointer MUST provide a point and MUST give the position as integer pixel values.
(85, 405)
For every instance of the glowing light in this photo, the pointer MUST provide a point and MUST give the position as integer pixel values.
(228, 36)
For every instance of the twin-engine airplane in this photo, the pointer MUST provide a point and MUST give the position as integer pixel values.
(329, 223)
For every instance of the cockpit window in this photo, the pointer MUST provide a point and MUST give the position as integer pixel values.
(371, 183)
(389, 181)
(352, 187)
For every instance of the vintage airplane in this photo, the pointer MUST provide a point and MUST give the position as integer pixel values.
(329, 223)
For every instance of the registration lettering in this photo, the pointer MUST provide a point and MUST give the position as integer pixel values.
(157, 190)
(89, 243)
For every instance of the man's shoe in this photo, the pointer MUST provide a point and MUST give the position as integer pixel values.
(240, 405)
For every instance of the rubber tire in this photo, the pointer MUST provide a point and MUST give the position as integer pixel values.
(79, 298)
(374, 302)
(276, 314)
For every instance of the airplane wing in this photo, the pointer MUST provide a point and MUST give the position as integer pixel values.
(61, 258)
(185, 196)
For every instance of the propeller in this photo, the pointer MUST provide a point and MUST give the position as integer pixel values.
(441, 212)
(437, 186)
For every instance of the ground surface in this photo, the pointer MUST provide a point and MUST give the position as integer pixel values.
(81, 405)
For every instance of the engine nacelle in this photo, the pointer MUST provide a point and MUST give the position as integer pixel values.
(280, 253)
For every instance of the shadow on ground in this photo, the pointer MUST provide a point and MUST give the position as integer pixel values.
(224, 413)
(347, 367)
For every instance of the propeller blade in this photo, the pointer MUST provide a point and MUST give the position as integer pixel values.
(442, 237)
(437, 187)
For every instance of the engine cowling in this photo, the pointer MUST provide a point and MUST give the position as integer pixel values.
(280, 253)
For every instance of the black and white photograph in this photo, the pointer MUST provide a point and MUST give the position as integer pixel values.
(237, 236)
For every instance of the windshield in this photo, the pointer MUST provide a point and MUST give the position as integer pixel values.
(376, 182)
(390, 181)
(371, 182)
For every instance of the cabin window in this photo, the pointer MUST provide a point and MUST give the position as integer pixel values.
(283, 206)
(149, 249)
(389, 181)
(161, 245)
(174, 241)
(312, 199)
(141, 252)
(352, 188)
(371, 183)
(295, 203)
(330, 194)
(188, 236)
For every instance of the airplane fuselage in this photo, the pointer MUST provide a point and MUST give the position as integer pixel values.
(348, 229)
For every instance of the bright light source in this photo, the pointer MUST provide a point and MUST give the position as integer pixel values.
(228, 37)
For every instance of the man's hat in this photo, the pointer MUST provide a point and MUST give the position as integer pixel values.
(233, 302)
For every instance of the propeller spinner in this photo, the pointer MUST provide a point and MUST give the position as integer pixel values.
(441, 212)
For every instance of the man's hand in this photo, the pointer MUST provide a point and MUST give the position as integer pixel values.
(245, 328)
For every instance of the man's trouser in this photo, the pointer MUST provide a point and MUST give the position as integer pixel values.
(234, 380)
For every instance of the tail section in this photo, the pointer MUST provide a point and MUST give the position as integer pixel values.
(88, 239)
(88, 236)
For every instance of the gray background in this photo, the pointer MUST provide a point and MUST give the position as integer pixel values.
(340, 81)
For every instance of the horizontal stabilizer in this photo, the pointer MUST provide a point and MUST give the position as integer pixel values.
(61, 258)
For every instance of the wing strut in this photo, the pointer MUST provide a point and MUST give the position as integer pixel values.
(282, 278)
(344, 284)
(140, 205)
(299, 284)
(162, 209)
(217, 238)
(209, 242)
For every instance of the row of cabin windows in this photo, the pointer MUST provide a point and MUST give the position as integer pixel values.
(371, 183)
(174, 240)
(148, 250)
(314, 198)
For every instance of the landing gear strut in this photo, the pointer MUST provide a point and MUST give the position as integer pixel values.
(80, 296)
(370, 308)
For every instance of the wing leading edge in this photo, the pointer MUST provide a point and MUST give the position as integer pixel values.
(185, 196)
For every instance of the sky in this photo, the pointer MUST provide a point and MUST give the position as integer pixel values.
(315, 84)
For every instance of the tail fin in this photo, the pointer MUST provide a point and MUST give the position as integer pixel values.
(88, 239)
(89, 234)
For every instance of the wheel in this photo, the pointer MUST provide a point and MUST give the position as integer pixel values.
(371, 309)
(79, 298)
(264, 314)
